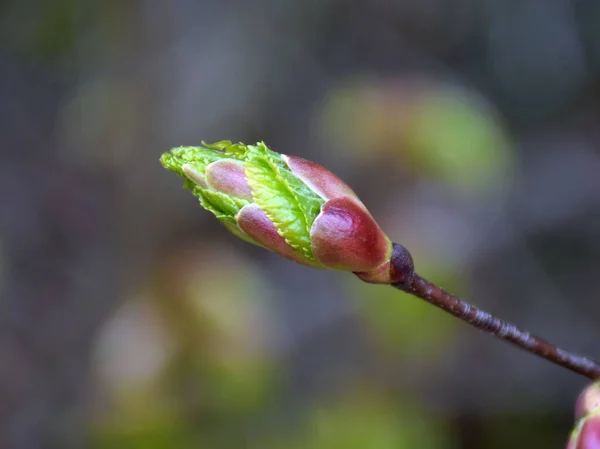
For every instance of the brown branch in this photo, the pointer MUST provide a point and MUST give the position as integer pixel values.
(414, 284)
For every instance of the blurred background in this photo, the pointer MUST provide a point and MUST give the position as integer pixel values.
(130, 319)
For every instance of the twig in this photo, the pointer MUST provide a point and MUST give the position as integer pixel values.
(414, 284)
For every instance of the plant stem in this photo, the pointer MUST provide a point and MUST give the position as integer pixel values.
(503, 330)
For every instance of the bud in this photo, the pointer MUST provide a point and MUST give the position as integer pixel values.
(587, 413)
(289, 205)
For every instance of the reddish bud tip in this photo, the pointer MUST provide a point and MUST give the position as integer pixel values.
(345, 236)
(319, 179)
(228, 176)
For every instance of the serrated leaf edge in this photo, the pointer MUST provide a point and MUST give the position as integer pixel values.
(261, 153)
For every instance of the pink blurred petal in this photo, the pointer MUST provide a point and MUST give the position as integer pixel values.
(346, 237)
(319, 179)
(229, 177)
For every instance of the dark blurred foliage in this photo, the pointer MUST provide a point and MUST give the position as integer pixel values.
(129, 318)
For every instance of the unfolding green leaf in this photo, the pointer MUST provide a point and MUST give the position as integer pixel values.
(285, 199)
